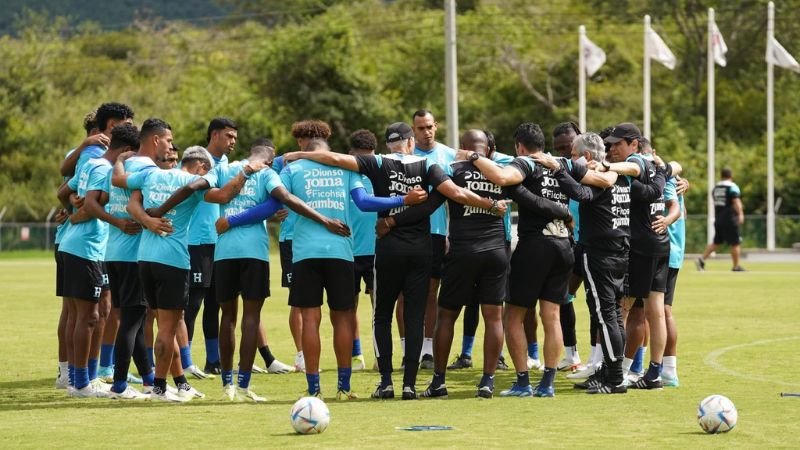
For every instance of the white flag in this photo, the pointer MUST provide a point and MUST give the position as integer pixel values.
(778, 55)
(718, 46)
(659, 50)
(593, 56)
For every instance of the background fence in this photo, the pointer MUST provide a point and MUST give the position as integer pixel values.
(40, 236)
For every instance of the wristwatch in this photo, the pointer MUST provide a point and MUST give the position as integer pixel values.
(474, 156)
(494, 209)
(606, 165)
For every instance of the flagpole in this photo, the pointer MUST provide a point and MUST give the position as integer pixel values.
(451, 70)
(770, 133)
(711, 171)
(581, 80)
(646, 70)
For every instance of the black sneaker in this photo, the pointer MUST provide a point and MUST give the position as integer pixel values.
(594, 380)
(738, 269)
(384, 392)
(701, 265)
(485, 392)
(427, 362)
(409, 393)
(608, 389)
(501, 364)
(644, 383)
(213, 368)
(461, 362)
(434, 392)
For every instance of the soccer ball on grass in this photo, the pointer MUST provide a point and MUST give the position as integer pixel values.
(716, 414)
(310, 415)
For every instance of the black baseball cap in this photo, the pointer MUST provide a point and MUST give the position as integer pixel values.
(398, 131)
(625, 130)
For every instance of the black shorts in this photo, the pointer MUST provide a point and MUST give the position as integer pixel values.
(59, 273)
(314, 275)
(364, 269)
(126, 289)
(82, 279)
(106, 285)
(165, 287)
(246, 276)
(672, 279)
(438, 247)
(604, 275)
(726, 233)
(201, 259)
(540, 269)
(474, 278)
(577, 253)
(646, 274)
(285, 249)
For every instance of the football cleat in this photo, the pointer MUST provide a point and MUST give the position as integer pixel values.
(484, 392)
(409, 393)
(106, 374)
(257, 369)
(569, 364)
(358, 363)
(229, 393)
(501, 363)
(186, 391)
(644, 383)
(427, 362)
(212, 368)
(157, 395)
(668, 381)
(199, 374)
(583, 374)
(128, 394)
(534, 364)
(346, 395)
(517, 391)
(592, 382)
(434, 392)
(541, 391)
(384, 392)
(461, 362)
(701, 265)
(604, 388)
(278, 367)
(249, 396)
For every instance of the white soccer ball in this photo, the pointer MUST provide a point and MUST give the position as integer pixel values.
(716, 414)
(310, 415)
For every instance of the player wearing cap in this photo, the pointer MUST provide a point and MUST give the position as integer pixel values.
(403, 257)
(728, 217)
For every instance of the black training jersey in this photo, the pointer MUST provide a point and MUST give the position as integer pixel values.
(724, 193)
(647, 203)
(605, 220)
(397, 174)
(542, 182)
(474, 229)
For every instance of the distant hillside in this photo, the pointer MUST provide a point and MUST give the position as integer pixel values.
(112, 13)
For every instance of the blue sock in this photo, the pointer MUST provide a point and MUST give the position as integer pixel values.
(106, 355)
(523, 379)
(653, 371)
(638, 361)
(150, 358)
(438, 379)
(186, 357)
(81, 377)
(92, 369)
(244, 379)
(466, 345)
(548, 377)
(227, 377)
(344, 379)
(212, 350)
(313, 382)
(71, 373)
(356, 347)
(487, 380)
(148, 379)
(533, 350)
(119, 386)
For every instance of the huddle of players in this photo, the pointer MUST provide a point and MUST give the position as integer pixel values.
(319, 192)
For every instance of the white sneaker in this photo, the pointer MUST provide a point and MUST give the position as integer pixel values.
(128, 394)
(358, 363)
(571, 364)
(185, 390)
(279, 367)
(88, 391)
(534, 364)
(248, 395)
(100, 386)
(257, 369)
(630, 378)
(62, 382)
(299, 362)
(166, 396)
(199, 374)
(229, 393)
(583, 374)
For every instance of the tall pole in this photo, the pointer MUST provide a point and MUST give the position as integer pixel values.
(770, 133)
(711, 171)
(581, 80)
(451, 80)
(646, 69)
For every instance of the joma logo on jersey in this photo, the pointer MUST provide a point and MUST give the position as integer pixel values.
(483, 186)
(323, 182)
(400, 187)
(549, 182)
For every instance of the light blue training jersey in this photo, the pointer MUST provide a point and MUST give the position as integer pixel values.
(442, 155)
(574, 209)
(87, 240)
(202, 228)
(157, 186)
(247, 241)
(124, 247)
(287, 226)
(325, 189)
(676, 231)
(62, 228)
(363, 226)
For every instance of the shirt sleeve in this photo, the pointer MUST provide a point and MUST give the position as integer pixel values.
(136, 180)
(637, 159)
(271, 180)
(523, 166)
(669, 190)
(98, 179)
(578, 170)
(73, 182)
(368, 164)
(213, 176)
(286, 178)
(734, 192)
(436, 176)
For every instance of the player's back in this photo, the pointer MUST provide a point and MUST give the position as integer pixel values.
(88, 239)
(122, 246)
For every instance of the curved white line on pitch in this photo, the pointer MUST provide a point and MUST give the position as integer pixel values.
(711, 360)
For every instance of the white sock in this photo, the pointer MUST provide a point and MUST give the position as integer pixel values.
(403, 346)
(572, 353)
(592, 352)
(427, 346)
(626, 365)
(63, 369)
(670, 367)
(598, 355)
(300, 355)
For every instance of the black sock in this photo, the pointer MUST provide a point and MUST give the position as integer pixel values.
(267, 355)
(160, 383)
(180, 380)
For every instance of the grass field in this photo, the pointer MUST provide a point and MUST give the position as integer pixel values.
(738, 337)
